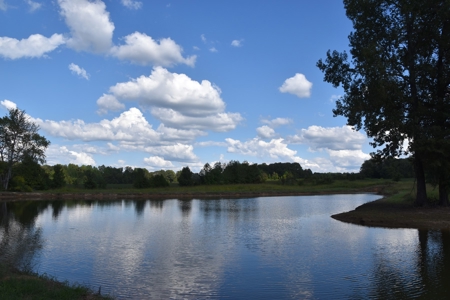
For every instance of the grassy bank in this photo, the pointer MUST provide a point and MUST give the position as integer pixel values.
(397, 210)
(270, 188)
(26, 285)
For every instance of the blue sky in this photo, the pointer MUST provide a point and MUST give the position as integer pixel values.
(167, 84)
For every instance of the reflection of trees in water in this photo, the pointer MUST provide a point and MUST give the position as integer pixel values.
(434, 262)
(19, 241)
(139, 207)
(427, 278)
(157, 204)
(185, 207)
(232, 208)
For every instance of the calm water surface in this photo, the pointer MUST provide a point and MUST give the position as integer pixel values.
(258, 248)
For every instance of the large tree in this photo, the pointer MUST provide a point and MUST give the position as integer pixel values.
(19, 139)
(397, 78)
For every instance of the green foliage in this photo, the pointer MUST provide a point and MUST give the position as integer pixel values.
(89, 180)
(389, 169)
(396, 82)
(141, 178)
(159, 180)
(34, 175)
(185, 177)
(59, 178)
(19, 139)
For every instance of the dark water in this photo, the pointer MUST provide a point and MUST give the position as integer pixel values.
(259, 248)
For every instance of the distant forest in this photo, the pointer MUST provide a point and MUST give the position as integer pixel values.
(29, 175)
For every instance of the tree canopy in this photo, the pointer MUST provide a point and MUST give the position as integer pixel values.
(396, 81)
(19, 140)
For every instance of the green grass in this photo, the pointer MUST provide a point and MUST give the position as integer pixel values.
(27, 285)
(267, 187)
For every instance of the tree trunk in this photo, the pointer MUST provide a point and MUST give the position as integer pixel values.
(421, 195)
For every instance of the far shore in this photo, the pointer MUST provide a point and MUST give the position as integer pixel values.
(150, 196)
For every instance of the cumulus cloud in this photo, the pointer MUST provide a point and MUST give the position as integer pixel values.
(78, 71)
(297, 85)
(89, 25)
(132, 4)
(108, 103)
(142, 49)
(129, 126)
(62, 155)
(35, 45)
(158, 162)
(8, 104)
(237, 43)
(220, 122)
(213, 49)
(277, 122)
(178, 101)
(33, 5)
(347, 160)
(274, 149)
(265, 132)
(333, 138)
(176, 152)
(130, 129)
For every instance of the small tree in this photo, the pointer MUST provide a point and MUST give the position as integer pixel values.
(19, 138)
(59, 179)
(185, 178)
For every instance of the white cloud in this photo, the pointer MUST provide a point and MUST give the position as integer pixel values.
(141, 49)
(89, 24)
(237, 43)
(265, 132)
(213, 49)
(219, 122)
(78, 71)
(180, 135)
(158, 162)
(8, 104)
(178, 101)
(129, 126)
(171, 90)
(275, 149)
(277, 122)
(62, 155)
(132, 4)
(176, 152)
(203, 37)
(297, 85)
(35, 45)
(108, 103)
(211, 144)
(333, 138)
(34, 5)
(348, 160)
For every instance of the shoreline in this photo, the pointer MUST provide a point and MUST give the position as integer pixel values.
(36, 196)
(382, 213)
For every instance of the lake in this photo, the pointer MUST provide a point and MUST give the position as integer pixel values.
(257, 248)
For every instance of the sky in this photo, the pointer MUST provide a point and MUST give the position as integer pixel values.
(167, 84)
